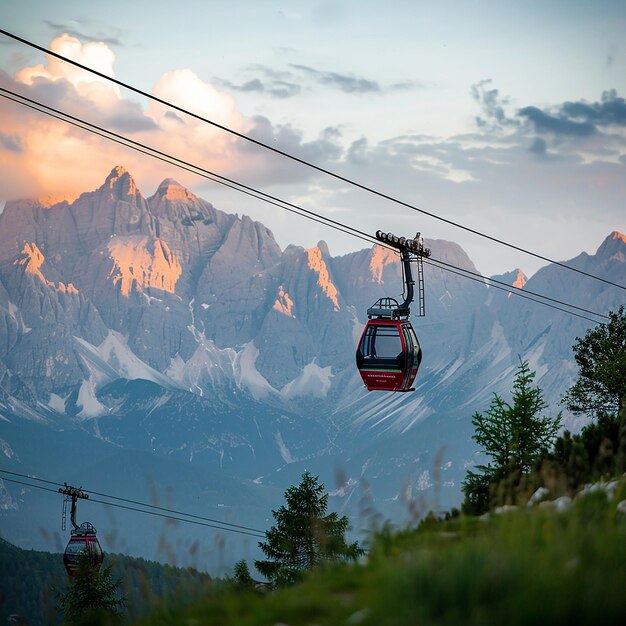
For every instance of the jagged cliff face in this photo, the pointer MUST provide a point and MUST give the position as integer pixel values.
(206, 307)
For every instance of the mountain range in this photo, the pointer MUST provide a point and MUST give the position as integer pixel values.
(157, 341)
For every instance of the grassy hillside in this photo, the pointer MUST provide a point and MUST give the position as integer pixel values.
(523, 566)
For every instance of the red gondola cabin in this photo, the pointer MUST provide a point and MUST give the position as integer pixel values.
(82, 541)
(388, 355)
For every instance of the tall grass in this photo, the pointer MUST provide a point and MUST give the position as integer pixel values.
(528, 566)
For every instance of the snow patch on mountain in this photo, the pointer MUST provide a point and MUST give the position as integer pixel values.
(6, 501)
(57, 403)
(246, 374)
(357, 326)
(114, 359)
(16, 314)
(314, 381)
(534, 360)
(176, 369)
(87, 400)
(451, 370)
(209, 368)
(283, 449)
(390, 413)
(500, 342)
(7, 450)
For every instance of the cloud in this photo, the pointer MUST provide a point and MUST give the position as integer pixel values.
(344, 82)
(270, 169)
(576, 131)
(579, 119)
(96, 55)
(610, 110)
(538, 147)
(12, 143)
(492, 105)
(543, 122)
(407, 85)
(278, 83)
(70, 29)
(128, 117)
(47, 149)
(274, 88)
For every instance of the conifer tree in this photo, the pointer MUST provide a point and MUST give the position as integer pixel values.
(601, 358)
(242, 578)
(512, 434)
(304, 536)
(92, 596)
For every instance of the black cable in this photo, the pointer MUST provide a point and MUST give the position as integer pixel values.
(304, 162)
(493, 282)
(236, 527)
(21, 482)
(160, 508)
(515, 293)
(259, 195)
(42, 480)
(179, 519)
(171, 160)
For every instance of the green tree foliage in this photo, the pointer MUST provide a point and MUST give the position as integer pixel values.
(92, 596)
(304, 536)
(242, 578)
(601, 358)
(513, 435)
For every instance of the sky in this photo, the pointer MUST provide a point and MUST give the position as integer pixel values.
(506, 117)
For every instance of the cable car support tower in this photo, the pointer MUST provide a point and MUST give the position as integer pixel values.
(388, 354)
(411, 251)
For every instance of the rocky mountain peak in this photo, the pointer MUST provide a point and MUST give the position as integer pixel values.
(121, 182)
(32, 259)
(48, 201)
(323, 248)
(515, 278)
(173, 191)
(617, 235)
(519, 278)
(613, 245)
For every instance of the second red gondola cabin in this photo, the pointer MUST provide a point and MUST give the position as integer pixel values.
(82, 541)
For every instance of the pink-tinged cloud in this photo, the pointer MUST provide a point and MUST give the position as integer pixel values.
(96, 55)
(60, 159)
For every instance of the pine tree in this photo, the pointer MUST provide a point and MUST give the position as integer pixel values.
(601, 358)
(242, 577)
(304, 536)
(513, 435)
(92, 596)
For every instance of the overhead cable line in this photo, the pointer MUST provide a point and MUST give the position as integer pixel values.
(176, 515)
(171, 160)
(260, 195)
(292, 157)
(493, 282)
(482, 279)
(154, 506)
